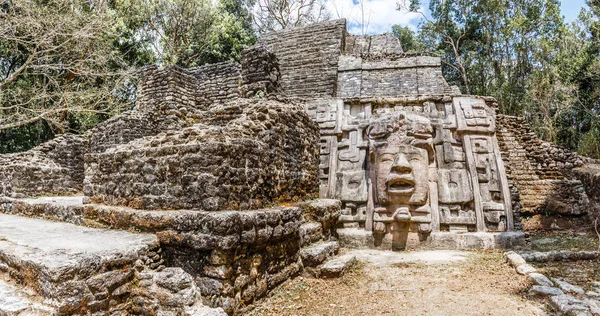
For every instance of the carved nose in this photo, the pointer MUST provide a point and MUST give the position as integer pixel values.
(401, 164)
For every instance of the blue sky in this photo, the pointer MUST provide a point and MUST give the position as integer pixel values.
(380, 15)
(570, 9)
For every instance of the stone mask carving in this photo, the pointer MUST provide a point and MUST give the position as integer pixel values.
(399, 158)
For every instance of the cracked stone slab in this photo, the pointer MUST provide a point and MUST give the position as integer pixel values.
(336, 267)
(316, 254)
(59, 252)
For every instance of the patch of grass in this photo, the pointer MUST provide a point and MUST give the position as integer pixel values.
(563, 240)
(581, 272)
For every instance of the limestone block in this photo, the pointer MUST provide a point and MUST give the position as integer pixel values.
(454, 186)
(540, 279)
(525, 269)
(337, 266)
(569, 305)
(316, 254)
(568, 287)
(545, 290)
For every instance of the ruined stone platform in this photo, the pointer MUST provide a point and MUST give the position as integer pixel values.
(60, 248)
(361, 239)
(52, 259)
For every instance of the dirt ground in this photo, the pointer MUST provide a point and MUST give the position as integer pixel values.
(481, 284)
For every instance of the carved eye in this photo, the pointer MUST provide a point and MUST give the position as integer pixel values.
(353, 185)
(385, 158)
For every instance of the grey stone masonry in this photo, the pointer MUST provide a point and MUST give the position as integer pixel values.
(236, 257)
(49, 268)
(541, 172)
(308, 57)
(54, 167)
(244, 155)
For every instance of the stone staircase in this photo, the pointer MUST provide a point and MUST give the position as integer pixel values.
(52, 268)
(206, 253)
(318, 238)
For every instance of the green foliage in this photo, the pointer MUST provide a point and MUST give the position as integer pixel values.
(408, 39)
(231, 33)
(522, 53)
(59, 69)
(66, 65)
(589, 143)
(24, 137)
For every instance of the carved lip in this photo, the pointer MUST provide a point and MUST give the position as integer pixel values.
(400, 184)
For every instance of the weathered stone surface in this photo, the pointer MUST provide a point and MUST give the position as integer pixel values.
(310, 233)
(525, 269)
(355, 238)
(307, 57)
(568, 305)
(323, 211)
(201, 310)
(539, 279)
(559, 255)
(464, 241)
(514, 259)
(594, 306)
(545, 290)
(236, 256)
(68, 263)
(82, 269)
(54, 167)
(316, 254)
(200, 166)
(568, 287)
(540, 171)
(13, 302)
(337, 266)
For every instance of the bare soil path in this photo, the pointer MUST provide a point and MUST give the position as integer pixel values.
(412, 283)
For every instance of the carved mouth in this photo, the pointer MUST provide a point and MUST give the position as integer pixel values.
(400, 184)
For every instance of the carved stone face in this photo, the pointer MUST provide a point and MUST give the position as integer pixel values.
(401, 173)
(400, 168)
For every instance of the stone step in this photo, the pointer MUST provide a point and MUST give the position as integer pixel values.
(316, 254)
(337, 266)
(310, 232)
(15, 302)
(73, 265)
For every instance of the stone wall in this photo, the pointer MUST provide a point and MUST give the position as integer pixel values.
(390, 76)
(372, 45)
(54, 167)
(308, 57)
(121, 129)
(589, 175)
(260, 71)
(245, 155)
(235, 257)
(539, 171)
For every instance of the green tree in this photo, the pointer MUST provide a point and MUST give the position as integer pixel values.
(58, 64)
(408, 38)
(232, 32)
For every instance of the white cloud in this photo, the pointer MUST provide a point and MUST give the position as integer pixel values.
(379, 15)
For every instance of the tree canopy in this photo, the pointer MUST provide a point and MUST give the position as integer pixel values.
(524, 54)
(66, 65)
